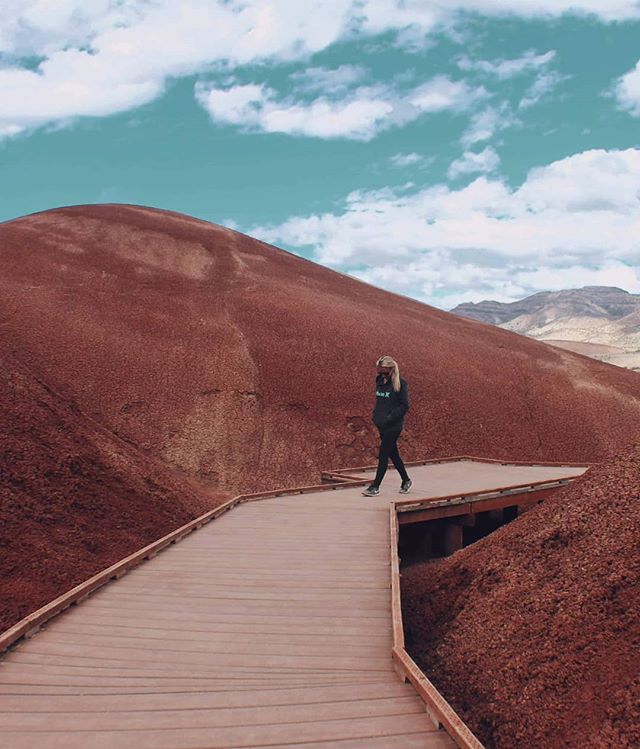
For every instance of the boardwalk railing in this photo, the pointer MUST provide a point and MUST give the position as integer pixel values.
(472, 502)
(348, 473)
(438, 708)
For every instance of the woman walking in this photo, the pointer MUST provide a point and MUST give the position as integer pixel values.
(392, 403)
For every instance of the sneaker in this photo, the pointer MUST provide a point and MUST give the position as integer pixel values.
(405, 487)
(371, 491)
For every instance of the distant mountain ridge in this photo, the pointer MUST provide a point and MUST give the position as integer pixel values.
(599, 321)
(596, 301)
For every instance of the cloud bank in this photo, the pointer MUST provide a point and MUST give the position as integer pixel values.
(70, 58)
(359, 114)
(572, 222)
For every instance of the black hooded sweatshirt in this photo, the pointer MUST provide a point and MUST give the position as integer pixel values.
(390, 406)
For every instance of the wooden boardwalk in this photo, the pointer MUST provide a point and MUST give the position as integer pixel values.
(269, 627)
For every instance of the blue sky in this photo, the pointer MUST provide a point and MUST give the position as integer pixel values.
(449, 151)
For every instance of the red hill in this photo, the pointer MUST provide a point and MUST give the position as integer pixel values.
(245, 366)
(533, 633)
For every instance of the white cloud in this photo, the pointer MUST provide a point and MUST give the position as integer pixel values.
(113, 56)
(602, 184)
(328, 80)
(428, 277)
(379, 16)
(255, 107)
(472, 162)
(504, 69)
(102, 56)
(359, 118)
(402, 160)
(578, 217)
(605, 10)
(237, 105)
(543, 84)
(487, 122)
(41, 27)
(425, 15)
(627, 90)
(492, 119)
(442, 93)
(68, 84)
(610, 273)
(359, 114)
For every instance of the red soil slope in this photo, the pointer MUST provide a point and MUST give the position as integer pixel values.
(246, 367)
(73, 498)
(533, 633)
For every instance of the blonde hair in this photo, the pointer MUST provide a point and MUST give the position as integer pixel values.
(387, 361)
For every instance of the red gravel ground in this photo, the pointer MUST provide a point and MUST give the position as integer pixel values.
(533, 633)
(74, 498)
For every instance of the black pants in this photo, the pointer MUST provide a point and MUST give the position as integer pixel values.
(389, 449)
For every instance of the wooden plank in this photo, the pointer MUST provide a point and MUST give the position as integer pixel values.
(189, 638)
(212, 643)
(236, 609)
(246, 715)
(299, 628)
(48, 652)
(402, 741)
(223, 737)
(318, 622)
(233, 684)
(207, 699)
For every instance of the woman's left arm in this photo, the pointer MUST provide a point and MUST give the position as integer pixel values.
(404, 397)
(403, 406)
